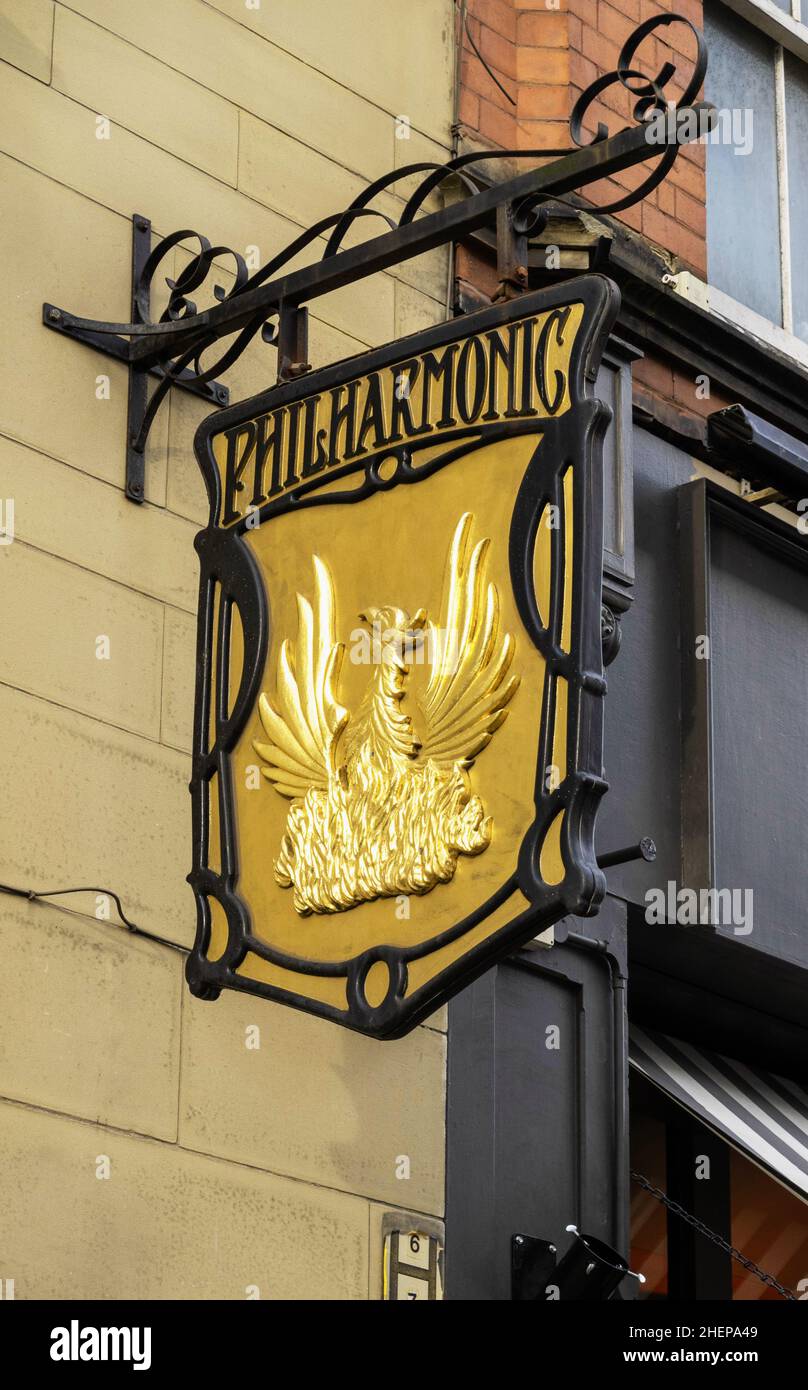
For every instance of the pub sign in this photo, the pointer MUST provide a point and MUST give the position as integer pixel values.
(398, 725)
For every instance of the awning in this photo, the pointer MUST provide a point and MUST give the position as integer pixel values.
(763, 1115)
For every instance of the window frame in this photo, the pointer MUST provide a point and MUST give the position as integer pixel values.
(788, 31)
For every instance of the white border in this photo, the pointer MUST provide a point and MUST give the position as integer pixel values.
(723, 306)
(780, 26)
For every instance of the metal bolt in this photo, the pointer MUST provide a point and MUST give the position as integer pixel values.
(54, 315)
(142, 225)
(221, 393)
(136, 487)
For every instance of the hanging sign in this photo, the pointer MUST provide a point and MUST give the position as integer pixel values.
(397, 747)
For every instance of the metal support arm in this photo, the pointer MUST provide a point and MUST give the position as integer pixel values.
(271, 301)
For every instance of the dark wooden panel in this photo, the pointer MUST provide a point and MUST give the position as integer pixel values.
(642, 740)
(745, 721)
(759, 645)
(535, 1134)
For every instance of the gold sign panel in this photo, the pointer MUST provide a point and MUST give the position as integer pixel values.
(399, 689)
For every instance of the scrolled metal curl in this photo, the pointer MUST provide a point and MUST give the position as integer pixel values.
(190, 277)
(650, 98)
(528, 217)
(202, 263)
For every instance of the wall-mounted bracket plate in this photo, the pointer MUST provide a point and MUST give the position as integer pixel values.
(139, 417)
(532, 1264)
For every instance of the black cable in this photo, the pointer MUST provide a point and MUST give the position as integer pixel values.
(33, 895)
(494, 79)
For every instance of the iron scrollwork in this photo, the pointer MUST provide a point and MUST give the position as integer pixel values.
(271, 301)
(650, 99)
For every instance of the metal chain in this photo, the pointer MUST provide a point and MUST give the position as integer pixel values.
(713, 1236)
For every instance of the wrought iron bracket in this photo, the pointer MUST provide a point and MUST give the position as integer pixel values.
(590, 1269)
(120, 348)
(533, 1262)
(272, 300)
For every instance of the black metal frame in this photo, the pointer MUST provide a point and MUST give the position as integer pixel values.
(227, 561)
(271, 302)
(141, 410)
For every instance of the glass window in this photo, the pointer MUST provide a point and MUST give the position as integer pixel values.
(796, 94)
(763, 1220)
(649, 1224)
(770, 1225)
(757, 201)
(743, 218)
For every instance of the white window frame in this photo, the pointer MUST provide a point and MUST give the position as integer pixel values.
(788, 32)
(786, 29)
(722, 306)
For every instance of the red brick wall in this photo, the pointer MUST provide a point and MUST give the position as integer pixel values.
(544, 65)
(544, 56)
(663, 380)
(484, 110)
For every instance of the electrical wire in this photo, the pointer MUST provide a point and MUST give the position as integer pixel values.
(34, 895)
(491, 74)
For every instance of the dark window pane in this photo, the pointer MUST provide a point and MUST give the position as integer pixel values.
(797, 144)
(743, 231)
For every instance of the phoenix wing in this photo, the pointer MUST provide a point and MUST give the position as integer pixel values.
(305, 719)
(469, 689)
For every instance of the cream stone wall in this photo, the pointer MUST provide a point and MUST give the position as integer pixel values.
(232, 1172)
